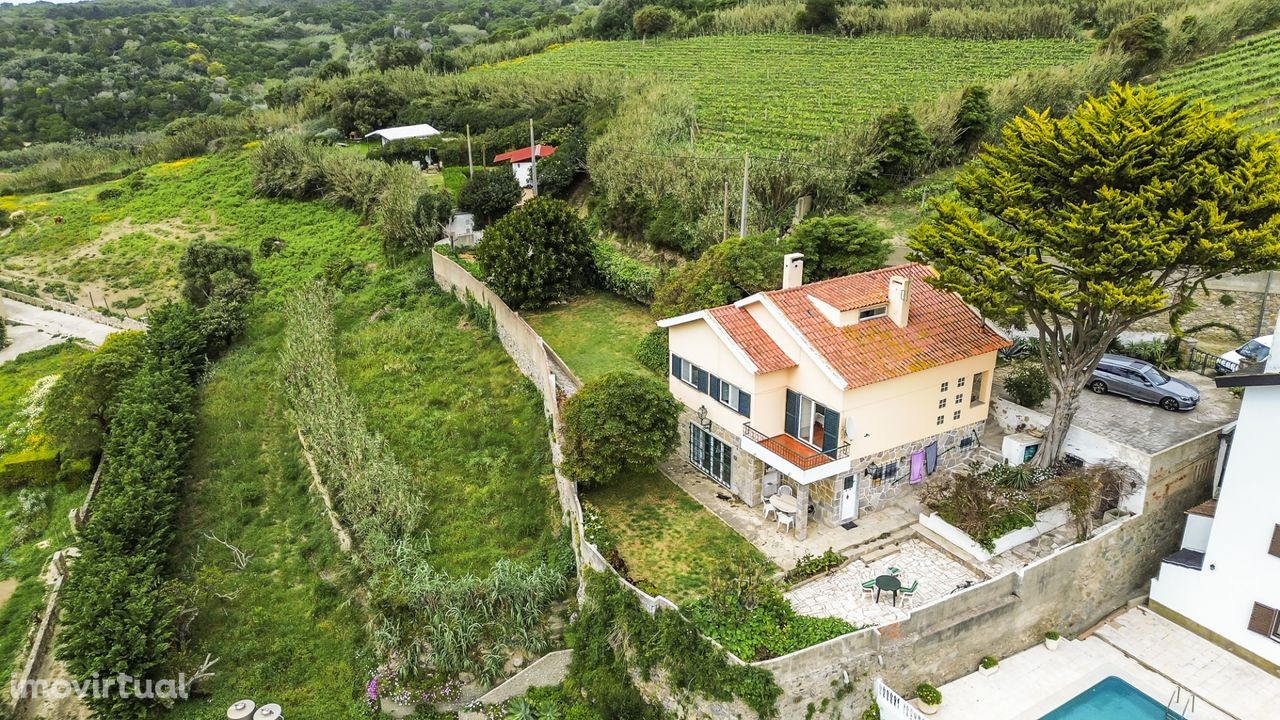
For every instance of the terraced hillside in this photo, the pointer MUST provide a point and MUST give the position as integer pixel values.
(784, 91)
(1244, 77)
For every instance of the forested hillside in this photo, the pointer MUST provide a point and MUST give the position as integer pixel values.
(115, 66)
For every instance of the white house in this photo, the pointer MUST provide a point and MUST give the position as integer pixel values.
(522, 162)
(850, 390)
(1225, 581)
(404, 132)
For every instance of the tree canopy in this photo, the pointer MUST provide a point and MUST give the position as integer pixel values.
(490, 194)
(537, 254)
(616, 424)
(1088, 223)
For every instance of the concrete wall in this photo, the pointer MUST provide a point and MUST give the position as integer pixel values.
(1238, 570)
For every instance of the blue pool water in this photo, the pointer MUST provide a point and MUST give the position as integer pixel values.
(1111, 699)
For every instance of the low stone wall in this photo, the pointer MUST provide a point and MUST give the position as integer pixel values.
(42, 642)
(73, 309)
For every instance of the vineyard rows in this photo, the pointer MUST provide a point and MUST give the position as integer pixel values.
(1244, 77)
(780, 92)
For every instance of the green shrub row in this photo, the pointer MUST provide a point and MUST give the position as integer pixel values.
(623, 275)
(38, 466)
(120, 608)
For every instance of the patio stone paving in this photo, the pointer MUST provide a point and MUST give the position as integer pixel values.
(840, 594)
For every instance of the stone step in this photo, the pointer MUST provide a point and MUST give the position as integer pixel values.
(884, 551)
(860, 549)
(949, 547)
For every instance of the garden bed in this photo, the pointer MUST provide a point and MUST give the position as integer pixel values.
(1046, 521)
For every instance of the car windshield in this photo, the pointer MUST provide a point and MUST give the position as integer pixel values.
(1155, 376)
(1253, 350)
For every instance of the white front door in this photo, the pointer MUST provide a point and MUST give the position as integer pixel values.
(849, 499)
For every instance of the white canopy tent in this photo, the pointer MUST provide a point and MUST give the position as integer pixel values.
(405, 132)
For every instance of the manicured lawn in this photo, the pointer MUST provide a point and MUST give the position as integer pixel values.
(670, 542)
(595, 333)
(45, 515)
(289, 627)
(460, 416)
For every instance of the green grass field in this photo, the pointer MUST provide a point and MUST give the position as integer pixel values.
(595, 333)
(786, 91)
(128, 247)
(461, 418)
(289, 627)
(671, 543)
(22, 562)
(1244, 77)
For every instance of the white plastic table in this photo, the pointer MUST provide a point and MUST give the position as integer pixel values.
(784, 504)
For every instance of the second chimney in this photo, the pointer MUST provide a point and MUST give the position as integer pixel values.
(792, 270)
(899, 300)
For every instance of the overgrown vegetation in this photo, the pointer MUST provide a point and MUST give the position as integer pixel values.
(616, 425)
(614, 635)
(424, 617)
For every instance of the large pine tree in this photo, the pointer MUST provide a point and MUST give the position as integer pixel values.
(1086, 224)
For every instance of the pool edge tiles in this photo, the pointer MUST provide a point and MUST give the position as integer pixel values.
(1112, 698)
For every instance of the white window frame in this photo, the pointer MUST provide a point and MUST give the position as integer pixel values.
(875, 312)
(802, 427)
(689, 369)
(730, 395)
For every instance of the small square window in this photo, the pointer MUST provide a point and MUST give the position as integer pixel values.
(955, 415)
(942, 403)
(960, 398)
(960, 382)
(946, 386)
(942, 419)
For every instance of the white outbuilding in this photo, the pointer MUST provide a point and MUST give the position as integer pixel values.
(404, 132)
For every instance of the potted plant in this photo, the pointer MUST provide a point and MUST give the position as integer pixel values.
(930, 698)
(988, 665)
(1051, 639)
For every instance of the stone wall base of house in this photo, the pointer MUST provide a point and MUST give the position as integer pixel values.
(874, 493)
(746, 472)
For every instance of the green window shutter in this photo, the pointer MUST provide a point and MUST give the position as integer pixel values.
(792, 424)
(744, 404)
(713, 386)
(700, 379)
(830, 432)
(675, 366)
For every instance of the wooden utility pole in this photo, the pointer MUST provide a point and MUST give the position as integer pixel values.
(742, 217)
(471, 168)
(724, 231)
(533, 157)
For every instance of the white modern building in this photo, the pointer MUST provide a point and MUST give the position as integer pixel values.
(1225, 581)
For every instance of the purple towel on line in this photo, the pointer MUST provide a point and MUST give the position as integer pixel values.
(917, 467)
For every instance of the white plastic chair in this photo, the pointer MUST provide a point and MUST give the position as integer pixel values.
(786, 491)
(786, 521)
(769, 508)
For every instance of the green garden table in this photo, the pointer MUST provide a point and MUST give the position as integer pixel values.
(890, 583)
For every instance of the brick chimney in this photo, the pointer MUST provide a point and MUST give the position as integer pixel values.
(899, 300)
(792, 270)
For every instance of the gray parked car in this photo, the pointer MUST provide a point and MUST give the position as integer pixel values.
(1140, 380)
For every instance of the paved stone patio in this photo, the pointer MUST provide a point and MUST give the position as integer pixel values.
(1143, 649)
(778, 545)
(840, 594)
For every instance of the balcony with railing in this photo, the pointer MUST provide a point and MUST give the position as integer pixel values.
(794, 458)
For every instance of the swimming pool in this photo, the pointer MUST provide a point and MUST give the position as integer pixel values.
(1112, 699)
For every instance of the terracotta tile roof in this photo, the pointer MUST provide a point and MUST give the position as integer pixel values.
(754, 341)
(1208, 508)
(940, 328)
